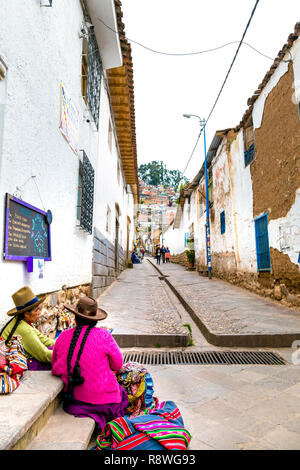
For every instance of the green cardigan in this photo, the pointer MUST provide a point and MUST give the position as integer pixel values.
(34, 343)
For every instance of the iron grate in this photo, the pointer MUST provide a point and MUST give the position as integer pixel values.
(204, 357)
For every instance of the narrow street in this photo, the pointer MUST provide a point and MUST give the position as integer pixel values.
(223, 406)
(160, 209)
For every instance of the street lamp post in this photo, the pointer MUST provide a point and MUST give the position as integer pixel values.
(207, 225)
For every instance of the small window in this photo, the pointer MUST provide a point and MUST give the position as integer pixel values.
(248, 145)
(201, 206)
(222, 222)
(79, 191)
(210, 186)
(91, 75)
(118, 172)
(108, 219)
(109, 135)
(85, 194)
(84, 70)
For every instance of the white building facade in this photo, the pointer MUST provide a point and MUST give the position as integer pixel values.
(59, 144)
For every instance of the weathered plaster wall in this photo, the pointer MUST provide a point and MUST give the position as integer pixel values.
(275, 171)
(242, 207)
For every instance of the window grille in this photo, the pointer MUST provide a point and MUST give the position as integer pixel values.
(262, 243)
(85, 204)
(94, 75)
(222, 222)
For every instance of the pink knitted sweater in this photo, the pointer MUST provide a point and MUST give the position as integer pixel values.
(100, 357)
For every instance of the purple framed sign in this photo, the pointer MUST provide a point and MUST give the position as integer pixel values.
(27, 232)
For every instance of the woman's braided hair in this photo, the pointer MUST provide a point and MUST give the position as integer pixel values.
(74, 377)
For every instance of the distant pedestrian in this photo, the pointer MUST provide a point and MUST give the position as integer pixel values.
(167, 255)
(163, 253)
(158, 255)
(134, 258)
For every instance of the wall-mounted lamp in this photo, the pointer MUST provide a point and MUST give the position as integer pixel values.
(48, 4)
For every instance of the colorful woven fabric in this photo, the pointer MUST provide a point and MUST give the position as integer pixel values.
(160, 427)
(13, 364)
(137, 382)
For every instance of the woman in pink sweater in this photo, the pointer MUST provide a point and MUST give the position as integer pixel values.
(86, 358)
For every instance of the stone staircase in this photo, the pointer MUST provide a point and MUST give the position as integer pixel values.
(32, 418)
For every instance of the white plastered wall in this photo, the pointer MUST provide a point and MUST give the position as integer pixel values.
(42, 49)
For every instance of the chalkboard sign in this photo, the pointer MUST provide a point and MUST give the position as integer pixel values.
(27, 232)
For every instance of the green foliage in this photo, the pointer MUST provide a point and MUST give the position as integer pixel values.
(190, 255)
(156, 173)
(188, 326)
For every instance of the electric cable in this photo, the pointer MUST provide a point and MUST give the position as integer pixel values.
(231, 65)
(180, 54)
(225, 80)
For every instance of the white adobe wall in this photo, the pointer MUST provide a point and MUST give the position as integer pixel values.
(222, 194)
(242, 208)
(109, 190)
(42, 48)
(174, 239)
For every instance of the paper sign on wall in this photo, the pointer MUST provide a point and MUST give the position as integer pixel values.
(69, 119)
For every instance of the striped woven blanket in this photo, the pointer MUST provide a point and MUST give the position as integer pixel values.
(159, 427)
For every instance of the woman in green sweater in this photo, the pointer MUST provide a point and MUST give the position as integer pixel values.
(26, 312)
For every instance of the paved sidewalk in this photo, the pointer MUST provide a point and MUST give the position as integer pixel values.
(235, 315)
(234, 407)
(140, 312)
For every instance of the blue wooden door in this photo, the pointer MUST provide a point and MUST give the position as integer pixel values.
(262, 243)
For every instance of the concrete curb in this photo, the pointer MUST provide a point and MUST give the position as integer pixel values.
(152, 341)
(248, 341)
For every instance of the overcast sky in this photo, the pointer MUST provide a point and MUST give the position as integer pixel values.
(165, 87)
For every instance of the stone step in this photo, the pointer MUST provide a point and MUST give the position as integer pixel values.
(152, 340)
(24, 412)
(64, 432)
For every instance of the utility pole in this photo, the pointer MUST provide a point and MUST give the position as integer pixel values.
(207, 225)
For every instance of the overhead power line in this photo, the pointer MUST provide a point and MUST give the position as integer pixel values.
(235, 56)
(181, 54)
(225, 80)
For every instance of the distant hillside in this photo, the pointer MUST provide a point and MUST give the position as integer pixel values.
(155, 173)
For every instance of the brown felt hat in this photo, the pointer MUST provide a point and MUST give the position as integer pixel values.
(24, 300)
(88, 309)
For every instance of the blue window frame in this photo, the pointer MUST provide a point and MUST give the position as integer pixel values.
(262, 243)
(249, 155)
(222, 221)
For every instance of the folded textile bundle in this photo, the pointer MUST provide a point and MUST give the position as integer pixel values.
(13, 363)
(160, 427)
(138, 383)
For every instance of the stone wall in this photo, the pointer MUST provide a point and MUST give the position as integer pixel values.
(104, 272)
(180, 259)
(54, 317)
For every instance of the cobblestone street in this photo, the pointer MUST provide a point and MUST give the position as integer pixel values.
(223, 406)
